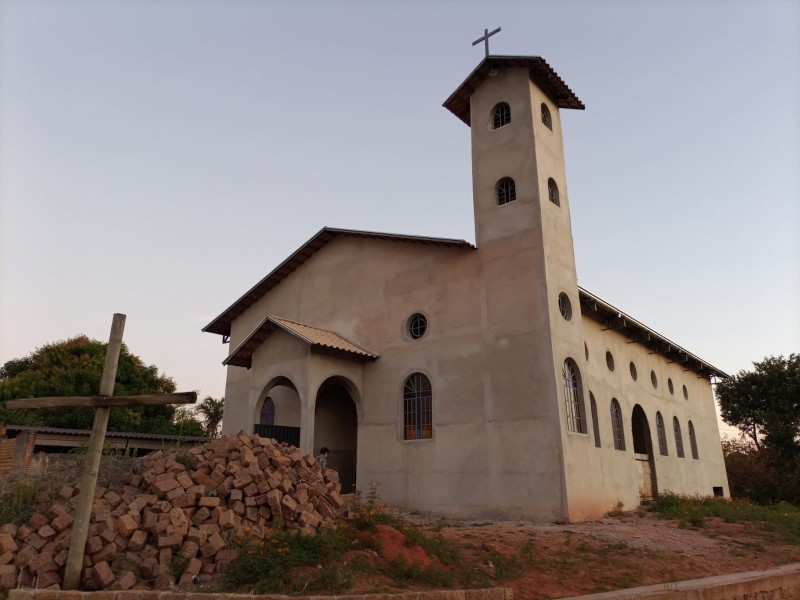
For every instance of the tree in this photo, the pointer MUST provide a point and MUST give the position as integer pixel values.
(765, 403)
(212, 410)
(73, 368)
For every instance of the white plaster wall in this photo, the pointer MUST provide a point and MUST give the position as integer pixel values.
(615, 477)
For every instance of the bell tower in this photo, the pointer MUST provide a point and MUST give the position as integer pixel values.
(524, 237)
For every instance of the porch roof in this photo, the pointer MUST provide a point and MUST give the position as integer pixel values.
(321, 339)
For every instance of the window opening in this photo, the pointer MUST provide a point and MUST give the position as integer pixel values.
(267, 412)
(634, 373)
(676, 426)
(547, 119)
(506, 191)
(616, 425)
(552, 192)
(572, 395)
(595, 422)
(586, 350)
(693, 442)
(685, 393)
(654, 379)
(610, 361)
(417, 325)
(564, 306)
(417, 408)
(501, 115)
(662, 435)
(670, 386)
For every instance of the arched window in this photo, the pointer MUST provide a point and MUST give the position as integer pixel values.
(595, 422)
(417, 408)
(662, 435)
(573, 394)
(546, 118)
(501, 115)
(676, 426)
(552, 192)
(506, 190)
(616, 425)
(693, 442)
(268, 412)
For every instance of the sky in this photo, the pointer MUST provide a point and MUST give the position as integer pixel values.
(159, 158)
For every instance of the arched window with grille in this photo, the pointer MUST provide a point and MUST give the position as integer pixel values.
(573, 396)
(693, 442)
(417, 408)
(616, 425)
(268, 412)
(506, 190)
(676, 426)
(501, 115)
(547, 119)
(595, 422)
(552, 192)
(662, 435)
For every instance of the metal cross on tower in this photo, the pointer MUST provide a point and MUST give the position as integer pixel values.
(485, 39)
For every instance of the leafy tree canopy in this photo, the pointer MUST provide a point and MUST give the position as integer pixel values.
(765, 403)
(73, 368)
(212, 410)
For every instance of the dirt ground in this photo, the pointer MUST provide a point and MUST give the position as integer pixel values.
(618, 552)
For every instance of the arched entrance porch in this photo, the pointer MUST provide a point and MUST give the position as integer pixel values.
(277, 413)
(336, 428)
(643, 454)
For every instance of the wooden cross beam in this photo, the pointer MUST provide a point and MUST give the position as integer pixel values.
(91, 466)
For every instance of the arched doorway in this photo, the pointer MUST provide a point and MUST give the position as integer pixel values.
(278, 412)
(336, 428)
(643, 454)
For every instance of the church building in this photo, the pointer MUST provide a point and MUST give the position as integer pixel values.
(475, 380)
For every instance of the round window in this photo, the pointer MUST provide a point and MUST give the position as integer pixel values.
(670, 386)
(653, 379)
(610, 361)
(685, 393)
(417, 326)
(564, 306)
(634, 374)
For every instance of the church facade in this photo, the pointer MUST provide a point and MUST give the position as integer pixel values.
(475, 380)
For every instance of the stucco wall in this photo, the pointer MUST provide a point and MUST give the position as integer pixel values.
(613, 472)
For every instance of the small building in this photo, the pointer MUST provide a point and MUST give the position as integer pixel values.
(17, 450)
(475, 380)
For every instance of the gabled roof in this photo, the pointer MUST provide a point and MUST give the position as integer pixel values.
(613, 318)
(222, 324)
(323, 339)
(541, 73)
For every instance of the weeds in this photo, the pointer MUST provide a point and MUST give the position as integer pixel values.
(781, 519)
(17, 503)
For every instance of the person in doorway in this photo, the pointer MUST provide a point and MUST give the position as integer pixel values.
(322, 457)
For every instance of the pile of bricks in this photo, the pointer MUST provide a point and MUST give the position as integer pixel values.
(187, 511)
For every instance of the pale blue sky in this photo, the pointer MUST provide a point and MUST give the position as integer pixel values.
(158, 158)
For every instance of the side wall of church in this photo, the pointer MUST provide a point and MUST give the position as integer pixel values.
(495, 450)
(613, 473)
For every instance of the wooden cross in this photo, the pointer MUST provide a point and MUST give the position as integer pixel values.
(485, 39)
(103, 403)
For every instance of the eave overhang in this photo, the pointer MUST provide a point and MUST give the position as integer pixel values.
(320, 340)
(613, 318)
(541, 73)
(222, 324)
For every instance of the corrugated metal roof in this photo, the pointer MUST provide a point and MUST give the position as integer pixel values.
(113, 434)
(541, 73)
(314, 336)
(613, 318)
(222, 324)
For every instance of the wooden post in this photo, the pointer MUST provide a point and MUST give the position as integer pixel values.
(83, 512)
